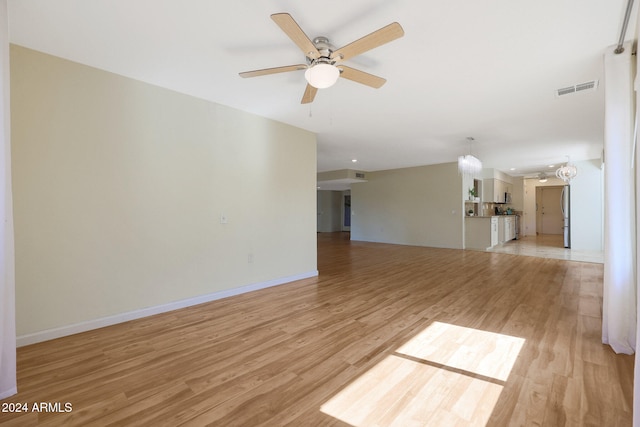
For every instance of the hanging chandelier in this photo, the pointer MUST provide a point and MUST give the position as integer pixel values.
(567, 172)
(469, 165)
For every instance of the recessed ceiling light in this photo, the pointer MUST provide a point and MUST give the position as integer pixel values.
(551, 166)
(512, 169)
(354, 160)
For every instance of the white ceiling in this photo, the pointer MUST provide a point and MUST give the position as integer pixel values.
(486, 69)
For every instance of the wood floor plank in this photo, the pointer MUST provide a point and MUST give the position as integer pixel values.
(358, 345)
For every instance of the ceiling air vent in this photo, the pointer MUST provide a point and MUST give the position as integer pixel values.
(360, 175)
(582, 87)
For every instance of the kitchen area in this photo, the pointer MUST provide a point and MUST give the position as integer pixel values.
(535, 216)
(432, 206)
(490, 216)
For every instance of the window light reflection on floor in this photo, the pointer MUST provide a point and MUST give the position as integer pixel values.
(446, 375)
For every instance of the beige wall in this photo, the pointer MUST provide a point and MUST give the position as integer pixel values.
(119, 187)
(587, 207)
(329, 211)
(420, 206)
(517, 195)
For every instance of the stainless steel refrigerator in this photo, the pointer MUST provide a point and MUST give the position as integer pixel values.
(565, 205)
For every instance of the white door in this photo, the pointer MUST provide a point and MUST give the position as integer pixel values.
(551, 211)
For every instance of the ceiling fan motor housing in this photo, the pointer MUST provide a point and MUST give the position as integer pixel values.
(325, 48)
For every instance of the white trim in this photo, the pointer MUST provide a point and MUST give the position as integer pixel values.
(88, 325)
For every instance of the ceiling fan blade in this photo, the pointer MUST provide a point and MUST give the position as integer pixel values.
(266, 71)
(309, 94)
(361, 77)
(295, 33)
(377, 38)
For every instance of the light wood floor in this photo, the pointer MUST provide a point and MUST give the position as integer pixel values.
(386, 335)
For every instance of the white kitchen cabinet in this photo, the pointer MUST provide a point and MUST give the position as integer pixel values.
(487, 190)
(494, 231)
(509, 228)
(512, 231)
(493, 190)
(501, 188)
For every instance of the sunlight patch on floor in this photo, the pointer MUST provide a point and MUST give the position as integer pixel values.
(446, 375)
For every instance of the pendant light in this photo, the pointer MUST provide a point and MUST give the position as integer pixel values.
(567, 172)
(469, 165)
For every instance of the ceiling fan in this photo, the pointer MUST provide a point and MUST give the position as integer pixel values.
(323, 62)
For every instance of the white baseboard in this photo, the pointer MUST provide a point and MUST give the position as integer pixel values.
(88, 325)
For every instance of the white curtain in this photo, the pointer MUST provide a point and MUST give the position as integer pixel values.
(619, 296)
(636, 374)
(8, 386)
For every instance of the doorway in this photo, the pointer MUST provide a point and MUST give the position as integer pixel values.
(549, 218)
(346, 212)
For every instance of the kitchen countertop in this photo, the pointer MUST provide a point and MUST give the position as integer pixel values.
(489, 216)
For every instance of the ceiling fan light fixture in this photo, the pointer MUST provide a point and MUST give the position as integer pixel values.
(321, 57)
(322, 76)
